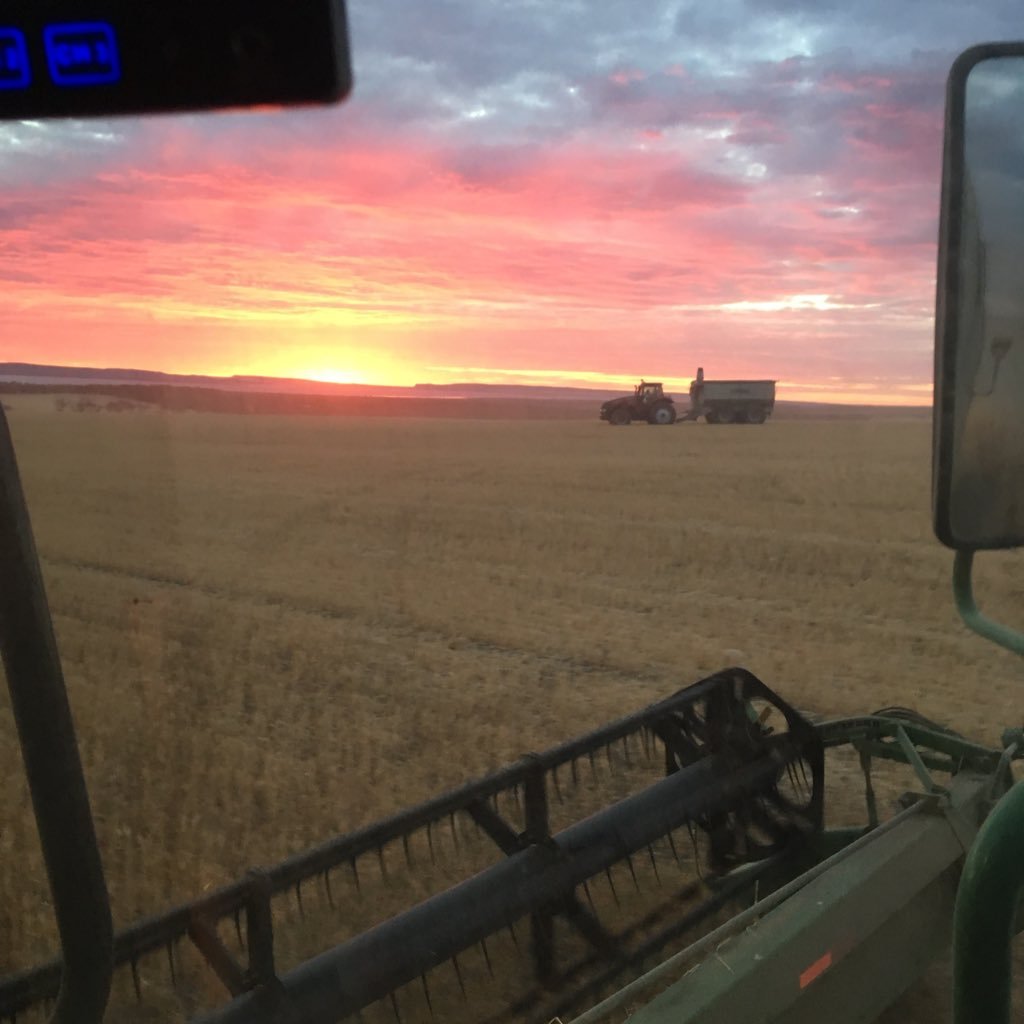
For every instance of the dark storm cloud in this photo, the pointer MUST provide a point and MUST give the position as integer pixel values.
(476, 46)
(790, 80)
(470, 53)
(429, 66)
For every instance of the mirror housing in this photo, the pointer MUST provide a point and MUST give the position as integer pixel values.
(978, 463)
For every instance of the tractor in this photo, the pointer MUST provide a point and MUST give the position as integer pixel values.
(765, 912)
(648, 403)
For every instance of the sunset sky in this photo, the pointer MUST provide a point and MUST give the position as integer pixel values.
(520, 191)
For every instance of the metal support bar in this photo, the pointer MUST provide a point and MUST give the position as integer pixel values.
(588, 926)
(870, 802)
(259, 926)
(963, 594)
(542, 945)
(915, 762)
(495, 826)
(887, 750)
(873, 729)
(205, 938)
(53, 766)
(537, 831)
(535, 799)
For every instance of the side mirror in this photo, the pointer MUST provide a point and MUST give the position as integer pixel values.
(978, 467)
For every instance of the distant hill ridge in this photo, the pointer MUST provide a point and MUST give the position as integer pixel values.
(42, 373)
(290, 396)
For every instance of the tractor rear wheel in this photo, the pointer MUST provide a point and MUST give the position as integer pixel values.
(620, 417)
(662, 415)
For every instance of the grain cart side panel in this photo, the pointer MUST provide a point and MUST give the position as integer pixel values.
(733, 401)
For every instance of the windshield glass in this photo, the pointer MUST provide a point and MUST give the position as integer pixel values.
(308, 409)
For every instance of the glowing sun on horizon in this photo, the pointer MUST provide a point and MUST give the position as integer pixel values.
(330, 375)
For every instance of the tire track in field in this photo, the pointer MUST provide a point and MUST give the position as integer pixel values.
(795, 612)
(939, 638)
(398, 625)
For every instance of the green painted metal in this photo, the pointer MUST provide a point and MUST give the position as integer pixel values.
(893, 752)
(963, 592)
(942, 751)
(915, 761)
(881, 908)
(835, 840)
(838, 844)
(985, 918)
(795, 870)
(922, 905)
(870, 800)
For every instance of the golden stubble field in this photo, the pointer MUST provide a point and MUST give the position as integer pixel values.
(276, 629)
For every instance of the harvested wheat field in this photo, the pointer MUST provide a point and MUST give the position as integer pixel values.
(275, 629)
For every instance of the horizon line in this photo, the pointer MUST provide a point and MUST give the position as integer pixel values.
(9, 368)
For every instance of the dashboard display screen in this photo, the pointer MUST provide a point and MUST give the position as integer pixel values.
(107, 57)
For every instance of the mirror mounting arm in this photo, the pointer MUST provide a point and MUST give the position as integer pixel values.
(963, 593)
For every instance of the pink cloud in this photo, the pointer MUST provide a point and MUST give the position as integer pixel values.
(591, 254)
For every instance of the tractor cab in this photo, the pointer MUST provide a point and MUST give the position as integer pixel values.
(649, 391)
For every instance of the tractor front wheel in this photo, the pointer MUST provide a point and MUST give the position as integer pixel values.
(620, 417)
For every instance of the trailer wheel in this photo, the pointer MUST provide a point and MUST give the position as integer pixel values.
(756, 415)
(725, 416)
(711, 417)
(620, 417)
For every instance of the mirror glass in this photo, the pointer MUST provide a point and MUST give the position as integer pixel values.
(980, 496)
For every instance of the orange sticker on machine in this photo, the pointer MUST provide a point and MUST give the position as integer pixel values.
(818, 968)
